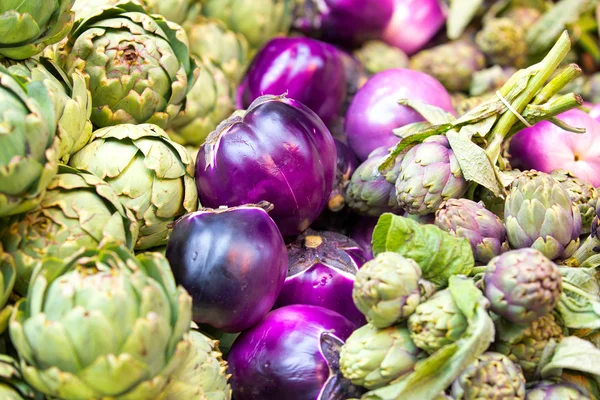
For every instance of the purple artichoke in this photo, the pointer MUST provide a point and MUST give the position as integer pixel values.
(522, 285)
(555, 391)
(277, 151)
(468, 219)
(322, 270)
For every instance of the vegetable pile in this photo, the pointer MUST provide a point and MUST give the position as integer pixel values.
(299, 199)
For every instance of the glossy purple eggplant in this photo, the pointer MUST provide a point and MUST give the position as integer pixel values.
(309, 71)
(346, 22)
(277, 151)
(375, 112)
(414, 23)
(322, 268)
(232, 261)
(292, 354)
(346, 165)
(362, 233)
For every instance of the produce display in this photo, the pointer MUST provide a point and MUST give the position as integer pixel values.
(300, 200)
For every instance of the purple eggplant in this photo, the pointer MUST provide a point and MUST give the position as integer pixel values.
(232, 261)
(292, 354)
(346, 165)
(362, 233)
(322, 268)
(309, 71)
(277, 151)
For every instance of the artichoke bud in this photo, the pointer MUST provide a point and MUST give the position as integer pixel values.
(546, 390)
(503, 42)
(582, 194)
(377, 56)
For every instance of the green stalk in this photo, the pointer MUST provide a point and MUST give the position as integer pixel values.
(568, 74)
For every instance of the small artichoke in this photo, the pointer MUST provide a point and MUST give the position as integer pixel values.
(377, 56)
(582, 194)
(437, 322)
(12, 385)
(429, 174)
(526, 350)
(388, 289)
(503, 42)
(78, 210)
(538, 213)
(490, 79)
(555, 391)
(468, 219)
(522, 285)
(27, 27)
(178, 11)
(153, 176)
(374, 357)
(453, 64)
(102, 324)
(491, 376)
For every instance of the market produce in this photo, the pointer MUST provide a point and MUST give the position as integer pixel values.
(377, 56)
(362, 234)
(503, 42)
(279, 151)
(178, 11)
(346, 165)
(555, 391)
(12, 385)
(582, 194)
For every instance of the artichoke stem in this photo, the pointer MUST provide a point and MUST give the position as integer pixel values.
(568, 74)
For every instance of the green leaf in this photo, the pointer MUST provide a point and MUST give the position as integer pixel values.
(579, 304)
(439, 254)
(432, 114)
(411, 129)
(574, 354)
(460, 15)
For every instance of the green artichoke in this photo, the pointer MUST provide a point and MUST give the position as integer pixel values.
(491, 376)
(28, 144)
(138, 66)
(258, 20)
(102, 324)
(453, 64)
(153, 176)
(178, 11)
(377, 56)
(84, 9)
(555, 391)
(582, 194)
(538, 213)
(28, 26)
(429, 174)
(8, 278)
(12, 385)
(526, 350)
(203, 375)
(490, 79)
(374, 357)
(78, 210)
(437, 322)
(71, 98)
(503, 42)
(388, 289)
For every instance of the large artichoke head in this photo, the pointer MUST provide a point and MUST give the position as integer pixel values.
(153, 176)
(78, 210)
(429, 175)
(468, 219)
(538, 213)
(102, 324)
(138, 65)
(373, 357)
(490, 376)
(12, 385)
(556, 391)
(388, 289)
(522, 285)
(582, 194)
(28, 144)
(27, 27)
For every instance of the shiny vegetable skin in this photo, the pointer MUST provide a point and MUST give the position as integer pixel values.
(233, 262)
(277, 151)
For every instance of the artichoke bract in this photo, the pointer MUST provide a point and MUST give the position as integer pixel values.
(8, 278)
(389, 288)
(491, 376)
(78, 210)
(12, 385)
(27, 27)
(138, 66)
(102, 324)
(429, 174)
(153, 176)
(582, 194)
(556, 391)
(29, 155)
(373, 357)
(538, 213)
(471, 220)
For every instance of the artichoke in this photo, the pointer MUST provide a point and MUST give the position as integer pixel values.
(178, 11)
(78, 210)
(377, 56)
(374, 357)
(585, 382)
(538, 213)
(153, 176)
(429, 174)
(490, 79)
(370, 193)
(490, 376)
(437, 322)
(27, 26)
(468, 219)
(8, 278)
(582, 194)
(503, 42)
(453, 64)
(555, 391)
(138, 66)
(102, 324)
(71, 98)
(389, 288)
(12, 385)
(28, 144)
(522, 285)
(527, 349)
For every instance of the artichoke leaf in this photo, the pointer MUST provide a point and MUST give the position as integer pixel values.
(573, 354)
